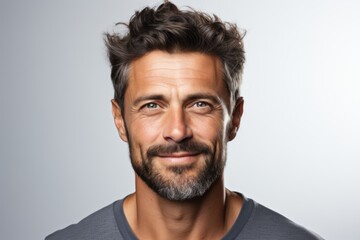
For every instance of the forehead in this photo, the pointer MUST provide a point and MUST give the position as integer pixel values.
(176, 68)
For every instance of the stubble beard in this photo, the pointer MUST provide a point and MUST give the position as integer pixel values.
(179, 185)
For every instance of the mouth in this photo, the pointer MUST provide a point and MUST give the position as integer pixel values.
(179, 158)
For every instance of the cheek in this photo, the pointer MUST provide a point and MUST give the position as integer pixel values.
(143, 131)
(208, 128)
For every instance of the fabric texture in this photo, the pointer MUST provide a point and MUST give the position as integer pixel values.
(255, 222)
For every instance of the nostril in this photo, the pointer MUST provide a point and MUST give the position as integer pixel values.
(178, 134)
(177, 131)
(176, 125)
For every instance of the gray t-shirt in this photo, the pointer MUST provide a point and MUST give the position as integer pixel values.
(255, 222)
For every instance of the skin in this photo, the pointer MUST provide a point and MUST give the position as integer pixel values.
(173, 98)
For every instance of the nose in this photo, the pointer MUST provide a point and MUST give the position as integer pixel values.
(176, 127)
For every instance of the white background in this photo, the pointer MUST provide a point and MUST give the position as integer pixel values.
(297, 150)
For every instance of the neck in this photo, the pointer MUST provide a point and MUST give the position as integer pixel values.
(153, 217)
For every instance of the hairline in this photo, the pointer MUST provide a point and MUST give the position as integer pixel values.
(226, 78)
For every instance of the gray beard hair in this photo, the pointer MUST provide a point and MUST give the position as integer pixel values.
(192, 188)
(184, 189)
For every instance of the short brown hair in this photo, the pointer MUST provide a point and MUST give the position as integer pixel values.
(169, 29)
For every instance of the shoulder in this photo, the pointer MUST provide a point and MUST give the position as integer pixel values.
(99, 225)
(268, 224)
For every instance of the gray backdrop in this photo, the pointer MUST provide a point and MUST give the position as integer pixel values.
(297, 151)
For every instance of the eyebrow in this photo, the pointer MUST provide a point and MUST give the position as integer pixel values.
(148, 97)
(211, 97)
(189, 98)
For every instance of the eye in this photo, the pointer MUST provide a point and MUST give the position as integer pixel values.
(201, 104)
(151, 105)
(201, 107)
(150, 108)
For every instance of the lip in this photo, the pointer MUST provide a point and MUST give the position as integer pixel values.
(179, 157)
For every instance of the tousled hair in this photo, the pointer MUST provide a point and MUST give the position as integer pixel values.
(169, 29)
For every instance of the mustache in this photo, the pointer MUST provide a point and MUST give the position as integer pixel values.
(188, 146)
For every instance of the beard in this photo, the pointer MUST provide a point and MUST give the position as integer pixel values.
(180, 186)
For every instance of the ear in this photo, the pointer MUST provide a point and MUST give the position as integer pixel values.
(119, 120)
(236, 118)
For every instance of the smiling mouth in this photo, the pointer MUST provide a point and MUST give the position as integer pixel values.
(178, 154)
(179, 157)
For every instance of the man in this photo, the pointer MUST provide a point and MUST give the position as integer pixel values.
(176, 76)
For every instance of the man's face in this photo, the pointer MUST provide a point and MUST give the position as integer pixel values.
(176, 121)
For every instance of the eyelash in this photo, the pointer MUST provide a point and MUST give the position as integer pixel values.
(205, 104)
(200, 105)
(151, 105)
